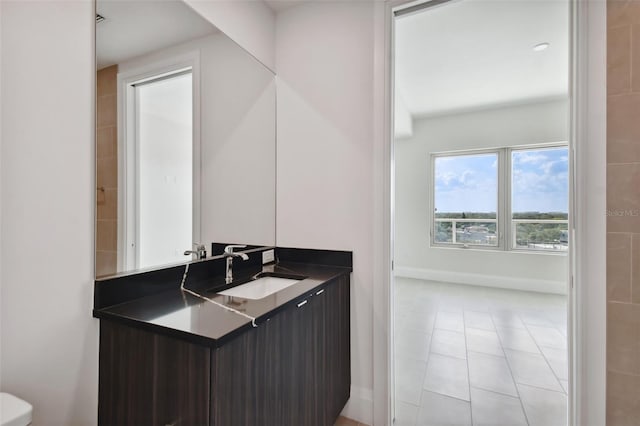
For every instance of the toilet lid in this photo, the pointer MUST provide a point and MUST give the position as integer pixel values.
(14, 411)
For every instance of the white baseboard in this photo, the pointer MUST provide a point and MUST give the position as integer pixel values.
(360, 405)
(525, 284)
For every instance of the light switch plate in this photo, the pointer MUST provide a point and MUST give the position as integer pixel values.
(268, 256)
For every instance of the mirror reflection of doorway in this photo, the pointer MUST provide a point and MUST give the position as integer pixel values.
(481, 213)
(159, 206)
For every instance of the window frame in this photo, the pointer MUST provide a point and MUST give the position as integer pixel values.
(504, 214)
(500, 198)
(510, 233)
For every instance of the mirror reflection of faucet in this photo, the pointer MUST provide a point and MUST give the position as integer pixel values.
(236, 303)
(200, 252)
(230, 254)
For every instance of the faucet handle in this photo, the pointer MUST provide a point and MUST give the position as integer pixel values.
(229, 249)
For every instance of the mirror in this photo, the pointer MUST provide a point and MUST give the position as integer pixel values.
(185, 135)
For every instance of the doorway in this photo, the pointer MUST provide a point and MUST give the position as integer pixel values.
(158, 210)
(481, 256)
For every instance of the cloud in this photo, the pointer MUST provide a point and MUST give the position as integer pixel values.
(466, 183)
(526, 157)
(469, 182)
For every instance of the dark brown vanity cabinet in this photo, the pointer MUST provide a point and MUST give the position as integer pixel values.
(293, 369)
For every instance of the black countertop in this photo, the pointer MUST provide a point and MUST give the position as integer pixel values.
(179, 314)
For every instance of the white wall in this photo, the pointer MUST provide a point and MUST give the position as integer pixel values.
(251, 24)
(509, 126)
(1, 97)
(49, 339)
(324, 58)
(237, 139)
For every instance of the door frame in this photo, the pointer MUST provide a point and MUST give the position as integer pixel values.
(587, 272)
(127, 147)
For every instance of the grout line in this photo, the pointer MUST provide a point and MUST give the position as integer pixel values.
(408, 403)
(524, 412)
(618, 302)
(495, 392)
(544, 389)
(447, 396)
(623, 373)
(466, 351)
(629, 163)
(493, 355)
(622, 94)
(545, 357)
(621, 233)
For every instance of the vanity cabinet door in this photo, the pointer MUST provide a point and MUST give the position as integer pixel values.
(320, 380)
(292, 370)
(307, 377)
(269, 376)
(149, 379)
(337, 347)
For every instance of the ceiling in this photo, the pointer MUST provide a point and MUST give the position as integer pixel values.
(475, 54)
(134, 28)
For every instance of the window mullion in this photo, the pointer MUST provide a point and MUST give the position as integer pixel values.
(506, 202)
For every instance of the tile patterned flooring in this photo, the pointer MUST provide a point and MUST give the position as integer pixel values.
(479, 356)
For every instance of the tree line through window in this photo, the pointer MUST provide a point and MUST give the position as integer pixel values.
(510, 198)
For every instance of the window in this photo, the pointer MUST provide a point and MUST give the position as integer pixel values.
(540, 198)
(158, 205)
(474, 192)
(466, 199)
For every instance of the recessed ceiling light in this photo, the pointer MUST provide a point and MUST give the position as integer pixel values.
(540, 47)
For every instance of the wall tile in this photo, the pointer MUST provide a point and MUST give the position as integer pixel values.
(623, 198)
(635, 268)
(107, 81)
(106, 235)
(107, 204)
(106, 142)
(623, 151)
(619, 267)
(106, 111)
(106, 262)
(635, 57)
(107, 173)
(622, 12)
(623, 338)
(619, 60)
(622, 122)
(623, 212)
(623, 399)
(617, 13)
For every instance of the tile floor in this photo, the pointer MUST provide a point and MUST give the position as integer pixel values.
(479, 356)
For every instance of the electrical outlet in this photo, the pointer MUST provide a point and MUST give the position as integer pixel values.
(268, 256)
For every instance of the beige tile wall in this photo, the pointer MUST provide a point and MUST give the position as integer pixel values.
(623, 212)
(107, 171)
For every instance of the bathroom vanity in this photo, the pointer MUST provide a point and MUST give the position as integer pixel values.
(186, 154)
(169, 357)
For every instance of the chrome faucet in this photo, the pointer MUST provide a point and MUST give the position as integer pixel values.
(200, 251)
(230, 254)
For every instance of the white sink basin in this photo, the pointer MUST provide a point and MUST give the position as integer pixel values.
(262, 287)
